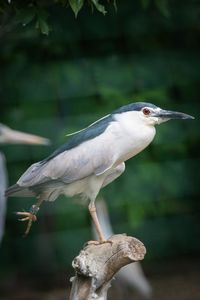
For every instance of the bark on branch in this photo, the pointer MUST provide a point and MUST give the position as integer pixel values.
(95, 266)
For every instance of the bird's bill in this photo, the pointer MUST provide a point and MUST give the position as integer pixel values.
(169, 114)
(18, 137)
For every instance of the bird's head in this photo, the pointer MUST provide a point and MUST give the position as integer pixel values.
(151, 114)
(10, 136)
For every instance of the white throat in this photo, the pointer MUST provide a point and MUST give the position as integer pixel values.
(134, 133)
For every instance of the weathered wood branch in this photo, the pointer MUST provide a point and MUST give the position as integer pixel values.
(96, 265)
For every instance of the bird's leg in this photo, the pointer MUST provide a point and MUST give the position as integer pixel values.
(93, 213)
(31, 215)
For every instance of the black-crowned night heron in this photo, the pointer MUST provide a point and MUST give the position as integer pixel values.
(10, 136)
(92, 158)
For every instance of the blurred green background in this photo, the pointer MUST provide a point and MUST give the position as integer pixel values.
(86, 67)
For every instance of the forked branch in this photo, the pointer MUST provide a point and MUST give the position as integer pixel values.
(95, 266)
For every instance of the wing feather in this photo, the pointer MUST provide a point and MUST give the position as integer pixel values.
(91, 157)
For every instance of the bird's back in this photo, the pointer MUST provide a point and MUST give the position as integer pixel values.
(65, 164)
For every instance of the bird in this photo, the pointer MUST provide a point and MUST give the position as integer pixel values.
(91, 159)
(3, 186)
(11, 136)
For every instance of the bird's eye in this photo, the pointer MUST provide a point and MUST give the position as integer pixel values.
(146, 111)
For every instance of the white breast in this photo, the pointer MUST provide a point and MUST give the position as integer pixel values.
(132, 134)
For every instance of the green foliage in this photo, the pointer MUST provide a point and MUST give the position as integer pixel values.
(25, 16)
(99, 6)
(76, 6)
(33, 14)
(37, 12)
(40, 13)
(41, 22)
(162, 5)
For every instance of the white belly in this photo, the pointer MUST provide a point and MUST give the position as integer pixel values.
(87, 187)
(90, 186)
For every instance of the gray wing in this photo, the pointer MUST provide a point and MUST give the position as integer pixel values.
(91, 157)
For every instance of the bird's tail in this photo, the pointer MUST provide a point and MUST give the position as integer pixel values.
(16, 190)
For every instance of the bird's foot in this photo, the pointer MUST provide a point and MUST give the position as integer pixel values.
(99, 242)
(27, 216)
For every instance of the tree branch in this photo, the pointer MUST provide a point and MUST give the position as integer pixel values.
(95, 266)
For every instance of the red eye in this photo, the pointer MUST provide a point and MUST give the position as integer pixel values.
(146, 111)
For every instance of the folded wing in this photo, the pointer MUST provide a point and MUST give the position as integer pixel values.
(91, 157)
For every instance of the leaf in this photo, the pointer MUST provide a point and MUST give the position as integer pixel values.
(25, 16)
(37, 25)
(76, 6)
(42, 25)
(115, 5)
(99, 7)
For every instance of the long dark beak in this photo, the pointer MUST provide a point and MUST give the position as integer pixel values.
(168, 114)
(17, 137)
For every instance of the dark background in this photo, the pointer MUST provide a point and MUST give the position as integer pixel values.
(56, 84)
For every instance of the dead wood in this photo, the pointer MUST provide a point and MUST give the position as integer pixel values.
(96, 265)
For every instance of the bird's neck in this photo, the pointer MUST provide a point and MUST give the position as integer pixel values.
(134, 135)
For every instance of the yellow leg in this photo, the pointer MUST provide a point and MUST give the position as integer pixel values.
(31, 215)
(93, 213)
